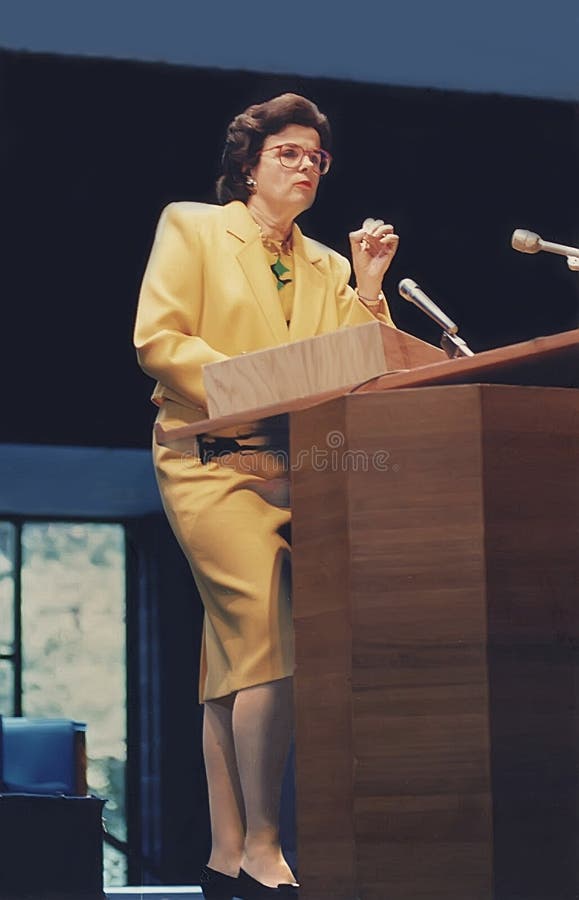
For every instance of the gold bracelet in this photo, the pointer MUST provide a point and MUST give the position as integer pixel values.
(367, 302)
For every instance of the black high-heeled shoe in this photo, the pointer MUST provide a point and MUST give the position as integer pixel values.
(249, 888)
(217, 885)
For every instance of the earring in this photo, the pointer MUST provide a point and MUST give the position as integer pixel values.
(251, 183)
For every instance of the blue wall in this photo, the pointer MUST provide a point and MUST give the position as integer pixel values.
(518, 47)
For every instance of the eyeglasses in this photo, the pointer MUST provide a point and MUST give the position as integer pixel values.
(291, 156)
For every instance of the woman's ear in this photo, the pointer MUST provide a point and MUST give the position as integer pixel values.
(250, 181)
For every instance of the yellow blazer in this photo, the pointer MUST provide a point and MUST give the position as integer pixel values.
(208, 294)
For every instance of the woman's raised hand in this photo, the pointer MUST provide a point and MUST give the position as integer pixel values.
(373, 248)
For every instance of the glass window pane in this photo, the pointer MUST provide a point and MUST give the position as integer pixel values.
(7, 538)
(6, 688)
(73, 644)
(115, 866)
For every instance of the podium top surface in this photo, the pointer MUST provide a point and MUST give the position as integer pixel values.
(551, 361)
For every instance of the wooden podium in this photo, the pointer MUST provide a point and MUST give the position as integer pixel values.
(436, 608)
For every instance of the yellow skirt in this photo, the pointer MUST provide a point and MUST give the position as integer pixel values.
(236, 543)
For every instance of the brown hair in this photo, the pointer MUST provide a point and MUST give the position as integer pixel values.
(247, 132)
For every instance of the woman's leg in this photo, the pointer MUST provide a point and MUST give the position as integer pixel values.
(262, 729)
(225, 798)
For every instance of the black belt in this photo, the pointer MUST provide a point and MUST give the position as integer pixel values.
(275, 439)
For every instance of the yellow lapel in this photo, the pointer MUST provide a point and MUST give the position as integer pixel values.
(254, 266)
(310, 285)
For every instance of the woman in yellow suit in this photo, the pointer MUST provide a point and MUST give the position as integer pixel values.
(221, 281)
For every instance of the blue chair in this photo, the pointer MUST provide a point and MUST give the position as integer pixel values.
(43, 756)
(51, 830)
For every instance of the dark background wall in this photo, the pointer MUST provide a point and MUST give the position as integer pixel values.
(93, 149)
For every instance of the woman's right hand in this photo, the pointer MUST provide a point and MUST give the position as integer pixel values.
(373, 246)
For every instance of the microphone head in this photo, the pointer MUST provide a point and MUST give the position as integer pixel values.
(405, 288)
(525, 241)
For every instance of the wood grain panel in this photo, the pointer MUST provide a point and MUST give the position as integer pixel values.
(531, 452)
(338, 359)
(426, 743)
(450, 576)
(436, 575)
(417, 673)
(404, 351)
(323, 640)
(552, 360)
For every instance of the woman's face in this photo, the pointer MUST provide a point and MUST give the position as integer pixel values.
(287, 191)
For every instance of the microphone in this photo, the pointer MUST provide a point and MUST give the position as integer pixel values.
(529, 242)
(409, 290)
(451, 343)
